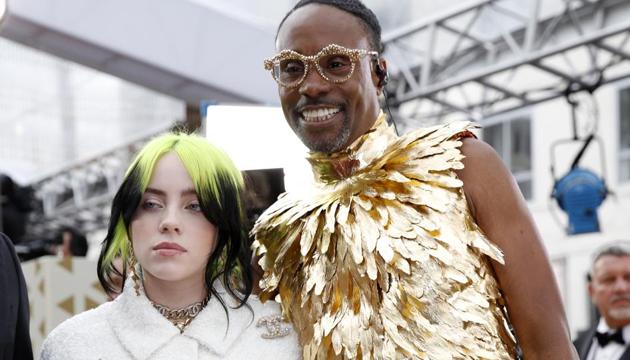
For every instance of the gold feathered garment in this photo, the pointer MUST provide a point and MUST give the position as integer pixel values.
(383, 259)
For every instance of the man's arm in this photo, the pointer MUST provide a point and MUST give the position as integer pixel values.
(527, 280)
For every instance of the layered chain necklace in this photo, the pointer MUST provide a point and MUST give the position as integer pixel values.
(182, 317)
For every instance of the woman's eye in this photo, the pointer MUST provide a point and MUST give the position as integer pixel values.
(150, 204)
(194, 207)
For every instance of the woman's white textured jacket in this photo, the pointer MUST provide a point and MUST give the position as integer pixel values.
(131, 328)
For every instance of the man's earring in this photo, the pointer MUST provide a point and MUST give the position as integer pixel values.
(383, 76)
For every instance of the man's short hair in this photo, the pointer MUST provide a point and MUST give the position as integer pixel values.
(369, 21)
(618, 248)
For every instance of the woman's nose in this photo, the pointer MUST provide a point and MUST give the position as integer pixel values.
(170, 222)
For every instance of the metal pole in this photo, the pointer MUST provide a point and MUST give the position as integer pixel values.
(532, 26)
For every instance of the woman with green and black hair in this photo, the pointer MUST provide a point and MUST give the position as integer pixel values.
(177, 227)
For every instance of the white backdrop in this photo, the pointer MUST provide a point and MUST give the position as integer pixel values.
(258, 137)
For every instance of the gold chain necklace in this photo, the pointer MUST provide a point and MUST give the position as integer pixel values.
(182, 317)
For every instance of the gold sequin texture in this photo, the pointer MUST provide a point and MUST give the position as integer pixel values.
(383, 259)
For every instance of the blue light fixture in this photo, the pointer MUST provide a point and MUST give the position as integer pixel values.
(580, 193)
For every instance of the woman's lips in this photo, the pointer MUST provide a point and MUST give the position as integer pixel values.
(168, 249)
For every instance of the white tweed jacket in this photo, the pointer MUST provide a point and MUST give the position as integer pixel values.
(131, 328)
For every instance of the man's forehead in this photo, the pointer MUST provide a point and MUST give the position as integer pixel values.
(606, 262)
(314, 26)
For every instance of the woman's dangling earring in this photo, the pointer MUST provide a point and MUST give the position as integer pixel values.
(134, 272)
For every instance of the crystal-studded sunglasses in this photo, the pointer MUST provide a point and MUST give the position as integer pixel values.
(334, 63)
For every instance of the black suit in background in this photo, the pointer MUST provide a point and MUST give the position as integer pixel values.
(585, 340)
(15, 341)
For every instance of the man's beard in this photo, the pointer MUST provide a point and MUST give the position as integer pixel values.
(622, 313)
(326, 145)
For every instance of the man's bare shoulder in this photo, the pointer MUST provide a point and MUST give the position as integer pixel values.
(481, 162)
(479, 153)
(487, 181)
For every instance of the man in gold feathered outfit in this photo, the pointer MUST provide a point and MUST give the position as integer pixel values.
(417, 246)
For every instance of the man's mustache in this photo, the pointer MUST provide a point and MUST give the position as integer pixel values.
(303, 102)
(625, 297)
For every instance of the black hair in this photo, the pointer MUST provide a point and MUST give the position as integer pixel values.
(369, 21)
(78, 241)
(124, 205)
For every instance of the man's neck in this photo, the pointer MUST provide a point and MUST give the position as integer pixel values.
(612, 324)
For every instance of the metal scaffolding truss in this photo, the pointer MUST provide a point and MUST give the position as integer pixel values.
(493, 56)
(80, 195)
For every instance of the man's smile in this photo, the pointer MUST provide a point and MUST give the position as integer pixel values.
(319, 114)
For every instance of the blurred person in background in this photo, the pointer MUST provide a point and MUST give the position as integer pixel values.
(609, 290)
(15, 205)
(67, 242)
(177, 224)
(15, 340)
(70, 242)
(413, 246)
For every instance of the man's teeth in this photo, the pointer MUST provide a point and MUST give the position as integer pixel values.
(319, 114)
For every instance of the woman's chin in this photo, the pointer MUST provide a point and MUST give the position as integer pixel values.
(167, 274)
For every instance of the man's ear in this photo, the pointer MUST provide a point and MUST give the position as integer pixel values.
(590, 289)
(380, 76)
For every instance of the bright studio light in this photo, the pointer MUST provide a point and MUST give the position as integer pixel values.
(258, 137)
